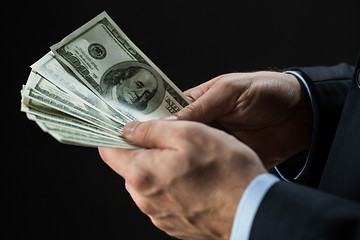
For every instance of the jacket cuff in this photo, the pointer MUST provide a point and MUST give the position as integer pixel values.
(295, 169)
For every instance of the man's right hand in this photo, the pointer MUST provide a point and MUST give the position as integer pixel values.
(269, 111)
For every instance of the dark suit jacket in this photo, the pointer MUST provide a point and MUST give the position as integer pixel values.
(326, 205)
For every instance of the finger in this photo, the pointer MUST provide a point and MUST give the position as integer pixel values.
(153, 134)
(210, 106)
(118, 159)
(212, 99)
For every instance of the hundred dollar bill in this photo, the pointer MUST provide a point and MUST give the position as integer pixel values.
(62, 121)
(69, 130)
(110, 64)
(81, 138)
(38, 90)
(51, 69)
(74, 133)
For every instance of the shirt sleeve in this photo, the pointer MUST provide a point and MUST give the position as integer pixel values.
(249, 204)
(315, 114)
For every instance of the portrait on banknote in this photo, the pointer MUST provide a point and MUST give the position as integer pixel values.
(134, 85)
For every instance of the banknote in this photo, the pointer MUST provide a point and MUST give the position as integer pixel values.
(66, 124)
(49, 68)
(63, 121)
(69, 134)
(110, 64)
(40, 90)
(92, 83)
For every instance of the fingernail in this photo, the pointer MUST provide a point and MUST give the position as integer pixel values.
(129, 127)
(169, 118)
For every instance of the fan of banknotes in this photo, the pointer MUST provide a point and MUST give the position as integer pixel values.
(92, 83)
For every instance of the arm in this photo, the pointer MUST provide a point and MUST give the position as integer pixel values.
(304, 213)
(264, 109)
(328, 88)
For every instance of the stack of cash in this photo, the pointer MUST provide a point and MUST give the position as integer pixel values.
(92, 83)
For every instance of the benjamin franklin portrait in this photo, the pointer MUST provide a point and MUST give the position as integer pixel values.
(134, 85)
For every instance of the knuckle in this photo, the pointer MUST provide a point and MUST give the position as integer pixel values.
(189, 136)
(198, 110)
(227, 76)
(105, 155)
(139, 183)
(141, 133)
(161, 224)
(140, 180)
(145, 134)
(184, 132)
(227, 81)
(192, 112)
(145, 206)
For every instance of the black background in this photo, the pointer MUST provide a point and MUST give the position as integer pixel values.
(56, 191)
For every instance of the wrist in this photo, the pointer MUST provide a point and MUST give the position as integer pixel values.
(303, 115)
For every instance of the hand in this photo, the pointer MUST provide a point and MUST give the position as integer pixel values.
(190, 179)
(268, 111)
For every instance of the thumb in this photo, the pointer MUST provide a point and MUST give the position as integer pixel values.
(196, 111)
(151, 134)
(207, 108)
(199, 109)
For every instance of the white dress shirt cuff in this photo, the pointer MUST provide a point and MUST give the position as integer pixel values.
(298, 75)
(249, 204)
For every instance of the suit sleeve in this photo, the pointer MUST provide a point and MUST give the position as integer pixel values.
(328, 87)
(293, 211)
